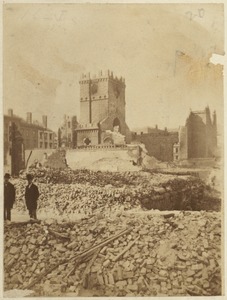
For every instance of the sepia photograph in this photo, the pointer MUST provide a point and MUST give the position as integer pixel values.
(113, 149)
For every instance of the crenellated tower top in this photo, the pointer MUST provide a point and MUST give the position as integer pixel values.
(102, 75)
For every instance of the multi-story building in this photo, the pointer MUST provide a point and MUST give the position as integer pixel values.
(102, 108)
(21, 135)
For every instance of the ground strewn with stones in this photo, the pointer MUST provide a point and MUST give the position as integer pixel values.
(89, 192)
(152, 235)
(170, 254)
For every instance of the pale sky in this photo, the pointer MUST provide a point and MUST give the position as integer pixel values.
(46, 47)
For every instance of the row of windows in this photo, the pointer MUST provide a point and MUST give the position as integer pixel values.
(45, 135)
(86, 98)
(45, 145)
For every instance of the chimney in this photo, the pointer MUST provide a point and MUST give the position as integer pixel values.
(10, 112)
(29, 117)
(44, 121)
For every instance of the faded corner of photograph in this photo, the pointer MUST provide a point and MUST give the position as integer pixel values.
(113, 150)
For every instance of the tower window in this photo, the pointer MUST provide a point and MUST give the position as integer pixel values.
(100, 97)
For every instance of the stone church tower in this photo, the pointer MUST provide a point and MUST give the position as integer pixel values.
(102, 107)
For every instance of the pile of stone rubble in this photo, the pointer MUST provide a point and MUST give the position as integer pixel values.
(68, 176)
(106, 192)
(132, 255)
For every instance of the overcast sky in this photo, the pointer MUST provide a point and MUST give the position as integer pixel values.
(163, 52)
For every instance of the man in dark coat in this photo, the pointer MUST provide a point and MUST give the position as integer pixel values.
(31, 197)
(9, 197)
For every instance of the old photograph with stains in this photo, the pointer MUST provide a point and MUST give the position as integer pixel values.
(113, 149)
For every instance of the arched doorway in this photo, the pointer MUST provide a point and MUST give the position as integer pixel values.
(108, 141)
(116, 125)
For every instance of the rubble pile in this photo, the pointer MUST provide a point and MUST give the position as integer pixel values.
(171, 254)
(86, 192)
(67, 176)
(83, 199)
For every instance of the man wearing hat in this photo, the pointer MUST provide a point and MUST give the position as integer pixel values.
(9, 197)
(31, 197)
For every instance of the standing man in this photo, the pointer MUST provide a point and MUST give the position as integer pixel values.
(31, 197)
(9, 197)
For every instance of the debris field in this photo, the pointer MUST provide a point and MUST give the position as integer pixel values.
(137, 234)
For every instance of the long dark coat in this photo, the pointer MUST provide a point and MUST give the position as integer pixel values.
(9, 194)
(31, 196)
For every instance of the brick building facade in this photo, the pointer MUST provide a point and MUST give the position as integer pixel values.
(159, 143)
(21, 135)
(102, 107)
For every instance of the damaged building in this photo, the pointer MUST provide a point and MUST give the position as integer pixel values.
(198, 138)
(158, 143)
(102, 109)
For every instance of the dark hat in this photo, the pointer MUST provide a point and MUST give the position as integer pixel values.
(7, 175)
(29, 176)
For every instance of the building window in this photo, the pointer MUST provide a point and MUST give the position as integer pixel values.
(41, 135)
(50, 136)
(50, 145)
(45, 145)
(69, 125)
(41, 145)
(177, 150)
(45, 135)
(176, 157)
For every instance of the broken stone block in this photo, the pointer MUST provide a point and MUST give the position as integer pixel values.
(121, 284)
(16, 279)
(163, 273)
(111, 279)
(181, 226)
(133, 287)
(150, 261)
(13, 250)
(175, 283)
(106, 263)
(100, 279)
(106, 281)
(206, 284)
(189, 279)
(190, 273)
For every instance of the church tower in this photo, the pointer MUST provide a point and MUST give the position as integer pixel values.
(101, 96)
(102, 108)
